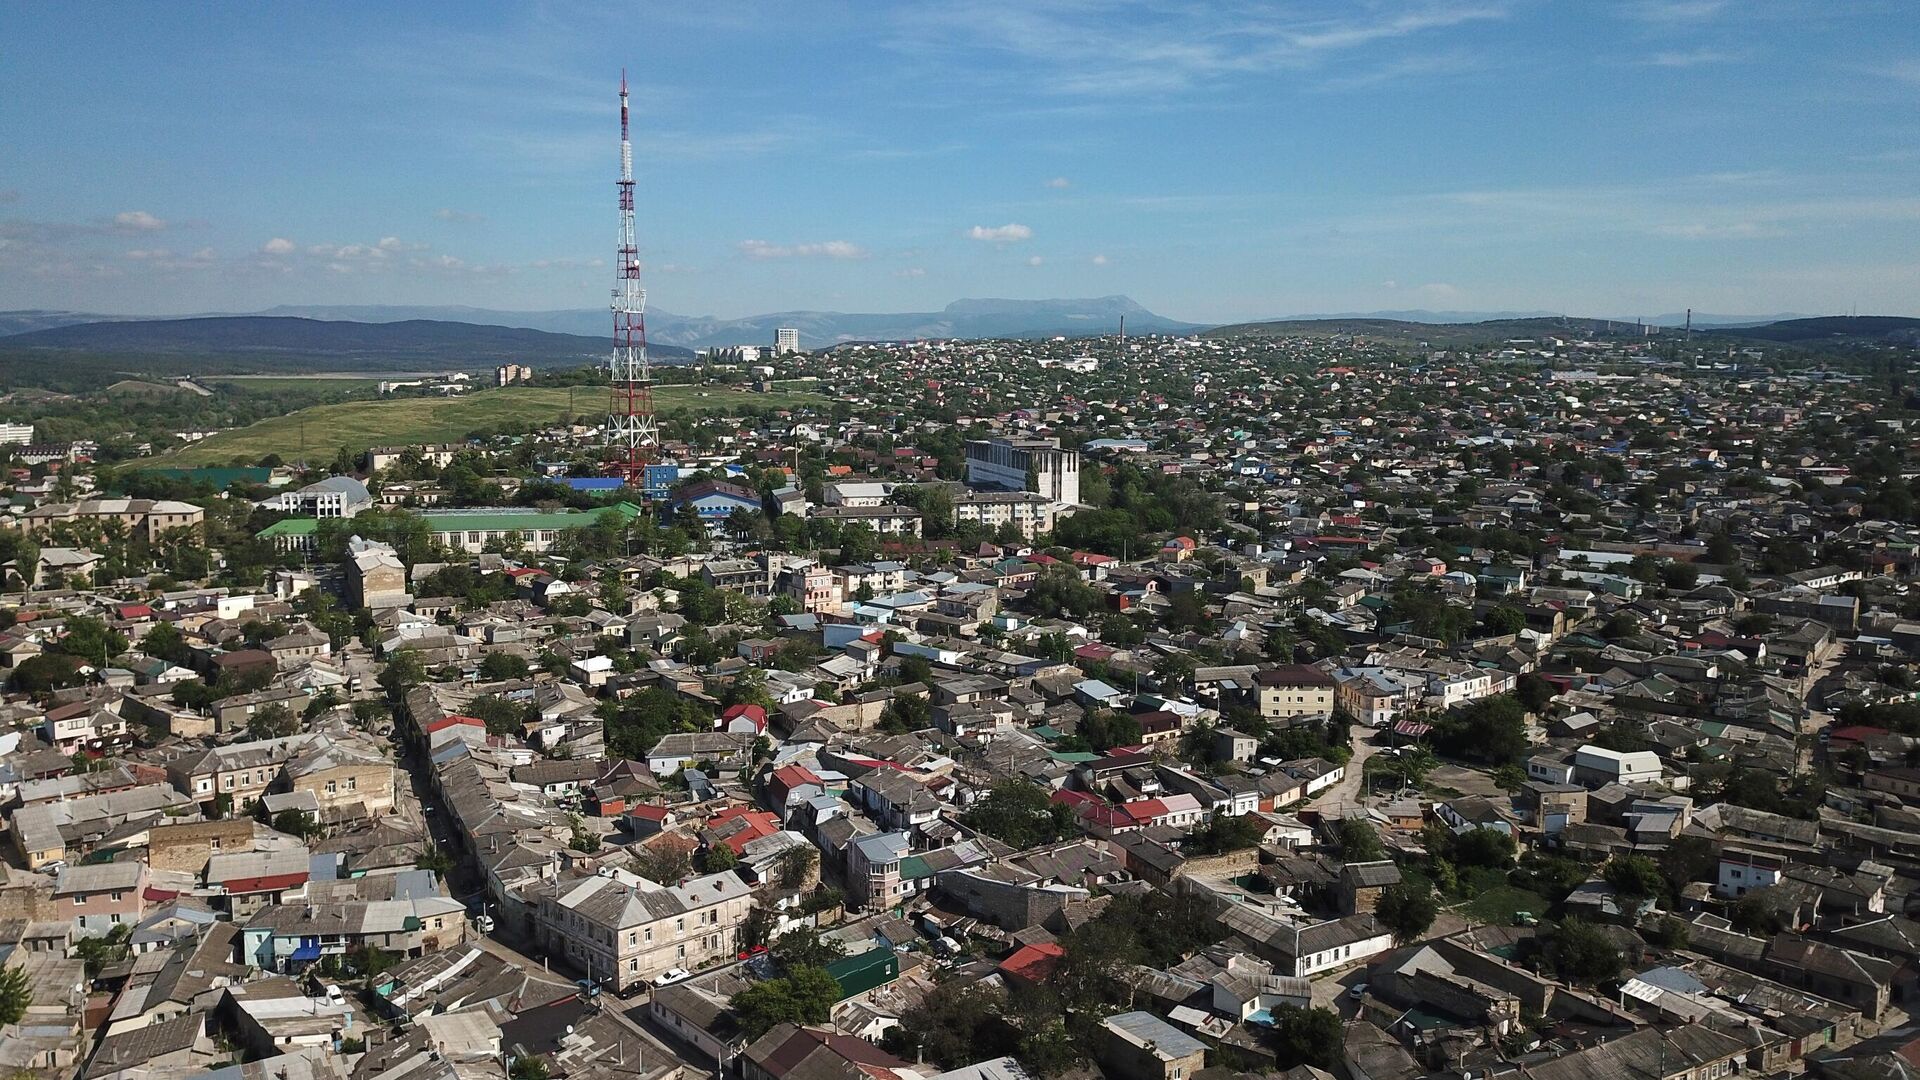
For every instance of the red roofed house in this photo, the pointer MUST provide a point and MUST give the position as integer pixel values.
(1098, 818)
(790, 785)
(738, 826)
(1033, 965)
(647, 818)
(743, 719)
(250, 880)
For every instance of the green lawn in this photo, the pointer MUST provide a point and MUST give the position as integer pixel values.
(319, 431)
(1497, 905)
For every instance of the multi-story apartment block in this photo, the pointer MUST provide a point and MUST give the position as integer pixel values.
(342, 777)
(1037, 465)
(86, 726)
(624, 929)
(812, 586)
(101, 896)
(1030, 512)
(1294, 690)
(241, 771)
(154, 517)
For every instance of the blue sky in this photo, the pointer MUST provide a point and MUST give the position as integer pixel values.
(1213, 160)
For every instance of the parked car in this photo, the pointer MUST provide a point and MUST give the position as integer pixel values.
(671, 976)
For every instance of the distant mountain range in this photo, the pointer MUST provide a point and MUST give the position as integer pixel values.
(381, 338)
(275, 341)
(1806, 333)
(818, 329)
(1418, 315)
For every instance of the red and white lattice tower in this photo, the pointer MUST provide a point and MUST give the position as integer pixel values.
(630, 425)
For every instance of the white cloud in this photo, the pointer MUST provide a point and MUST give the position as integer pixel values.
(279, 245)
(1735, 230)
(1034, 260)
(149, 253)
(912, 272)
(390, 243)
(825, 249)
(1906, 71)
(1059, 182)
(1001, 234)
(447, 213)
(1098, 260)
(1665, 11)
(139, 221)
(1687, 58)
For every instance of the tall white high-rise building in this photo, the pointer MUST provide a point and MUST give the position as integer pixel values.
(786, 341)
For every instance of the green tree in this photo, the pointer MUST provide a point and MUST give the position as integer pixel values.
(1580, 952)
(804, 996)
(1408, 908)
(403, 672)
(529, 1067)
(1222, 834)
(1504, 620)
(1493, 730)
(16, 994)
(1020, 814)
(44, 673)
(436, 859)
(500, 666)
(1635, 879)
(164, 642)
(91, 640)
(296, 822)
(98, 952)
(905, 713)
(804, 947)
(1312, 1036)
(720, 857)
(501, 716)
(1105, 729)
(1358, 840)
(272, 721)
(1488, 848)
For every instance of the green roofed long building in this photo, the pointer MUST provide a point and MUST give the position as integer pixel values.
(471, 530)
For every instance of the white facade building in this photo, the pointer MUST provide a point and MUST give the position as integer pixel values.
(1009, 465)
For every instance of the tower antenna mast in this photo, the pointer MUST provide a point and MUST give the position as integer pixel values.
(631, 431)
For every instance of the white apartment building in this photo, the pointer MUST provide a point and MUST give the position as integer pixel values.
(16, 434)
(786, 341)
(1030, 512)
(1038, 465)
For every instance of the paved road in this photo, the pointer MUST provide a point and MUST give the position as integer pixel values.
(465, 880)
(1346, 792)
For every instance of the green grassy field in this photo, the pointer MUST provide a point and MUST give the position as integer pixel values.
(277, 383)
(357, 425)
(1496, 906)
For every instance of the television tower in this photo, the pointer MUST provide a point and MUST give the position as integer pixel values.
(630, 423)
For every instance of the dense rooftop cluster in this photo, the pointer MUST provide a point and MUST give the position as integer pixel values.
(1240, 705)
